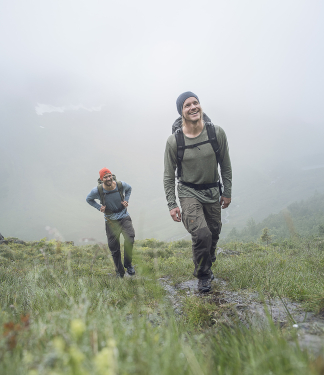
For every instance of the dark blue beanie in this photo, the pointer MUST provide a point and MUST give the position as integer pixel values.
(182, 98)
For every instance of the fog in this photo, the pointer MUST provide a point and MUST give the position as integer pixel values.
(92, 84)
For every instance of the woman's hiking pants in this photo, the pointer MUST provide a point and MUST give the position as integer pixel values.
(203, 222)
(113, 230)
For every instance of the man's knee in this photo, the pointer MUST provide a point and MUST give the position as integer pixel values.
(128, 230)
(202, 237)
(130, 239)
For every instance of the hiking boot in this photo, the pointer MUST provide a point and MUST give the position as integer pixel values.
(204, 285)
(118, 275)
(130, 270)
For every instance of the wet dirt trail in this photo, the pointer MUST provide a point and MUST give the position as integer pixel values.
(251, 311)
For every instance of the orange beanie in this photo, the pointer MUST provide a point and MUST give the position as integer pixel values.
(103, 172)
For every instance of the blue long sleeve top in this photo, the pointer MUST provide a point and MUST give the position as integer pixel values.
(112, 201)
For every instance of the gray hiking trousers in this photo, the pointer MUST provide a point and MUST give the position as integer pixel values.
(113, 230)
(203, 222)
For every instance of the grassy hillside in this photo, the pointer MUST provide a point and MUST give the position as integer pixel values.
(64, 312)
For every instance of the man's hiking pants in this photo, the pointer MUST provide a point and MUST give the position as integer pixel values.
(113, 230)
(203, 222)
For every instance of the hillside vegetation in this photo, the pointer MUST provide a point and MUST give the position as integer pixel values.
(304, 218)
(63, 311)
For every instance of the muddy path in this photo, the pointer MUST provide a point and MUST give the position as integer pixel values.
(250, 310)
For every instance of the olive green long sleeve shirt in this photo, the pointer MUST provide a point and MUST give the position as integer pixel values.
(199, 166)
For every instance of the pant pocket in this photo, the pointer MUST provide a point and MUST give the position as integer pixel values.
(189, 218)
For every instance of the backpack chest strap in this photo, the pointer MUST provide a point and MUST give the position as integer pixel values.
(198, 144)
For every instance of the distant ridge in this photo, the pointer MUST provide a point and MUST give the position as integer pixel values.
(304, 218)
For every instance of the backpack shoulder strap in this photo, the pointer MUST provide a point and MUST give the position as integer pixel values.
(101, 194)
(180, 149)
(120, 190)
(211, 131)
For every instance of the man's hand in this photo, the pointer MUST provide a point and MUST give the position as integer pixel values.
(102, 209)
(176, 214)
(125, 203)
(224, 202)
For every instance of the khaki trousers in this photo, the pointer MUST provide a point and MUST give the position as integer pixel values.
(203, 222)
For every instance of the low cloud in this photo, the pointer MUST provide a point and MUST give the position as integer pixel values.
(42, 108)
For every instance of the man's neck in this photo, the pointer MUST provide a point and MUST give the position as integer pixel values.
(193, 129)
(110, 187)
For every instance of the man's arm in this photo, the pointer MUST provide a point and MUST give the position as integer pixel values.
(128, 191)
(92, 196)
(225, 167)
(170, 165)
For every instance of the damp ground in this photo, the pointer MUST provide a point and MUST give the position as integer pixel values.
(250, 309)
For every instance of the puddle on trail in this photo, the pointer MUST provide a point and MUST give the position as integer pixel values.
(248, 308)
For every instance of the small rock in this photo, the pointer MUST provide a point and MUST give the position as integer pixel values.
(241, 306)
(19, 241)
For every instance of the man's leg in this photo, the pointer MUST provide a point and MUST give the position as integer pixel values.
(213, 218)
(194, 221)
(129, 236)
(113, 230)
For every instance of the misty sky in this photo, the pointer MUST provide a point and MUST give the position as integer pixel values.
(257, 67)
(249, 61)
(242, 56)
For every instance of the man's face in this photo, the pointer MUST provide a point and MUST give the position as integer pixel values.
(108, 179)
(191, 109)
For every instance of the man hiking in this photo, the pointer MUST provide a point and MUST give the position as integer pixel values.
(113, 203)
(195, 150)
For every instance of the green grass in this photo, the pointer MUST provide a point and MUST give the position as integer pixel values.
(62, 311)
(292, 269)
